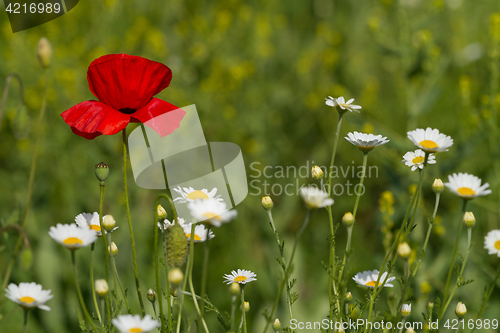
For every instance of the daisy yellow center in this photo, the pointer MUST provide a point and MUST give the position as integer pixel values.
(418, 160)
(27, 299)
(135, 330)
(240, 278)
(95, 227)
(197, 195)
(429, 144)
(72, 241)
(497, 245)
(372, 284)
(466, 191)
(196, 237)
(210, 216)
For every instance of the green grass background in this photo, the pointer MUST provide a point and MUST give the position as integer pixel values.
(258, 72)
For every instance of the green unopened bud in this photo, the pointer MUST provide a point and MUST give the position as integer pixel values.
(348, 296)
(176, 246)
(101, 287)
(404, 250)
(175, 276)
(151, 295)
(235, 288)
(430, 307)
(44, 52)
(162, 213)
(405, 310)
(276, 325)
(102, 171)
(348, 219)
(469, 219)
(460, 310)
(113, 249)
(438, 186)
(267, 203)
(108, 222)
(246, 306)
(316, 172)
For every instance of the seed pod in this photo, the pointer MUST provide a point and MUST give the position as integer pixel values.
(177, 246)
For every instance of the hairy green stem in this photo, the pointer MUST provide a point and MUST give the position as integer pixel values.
(92, 286)
(204, 272)
(106, 251)
(79, 292)
(117, 279)
(487, 297)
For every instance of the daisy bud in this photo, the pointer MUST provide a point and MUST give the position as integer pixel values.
(246, 306)
(405, 310)
(460, 310)
(348, 219)
(44, 52)
(438, 186)
(410, 330)
(162, 213)
(404, 250)
(151, 295)
(108, 222)
(430, 307)
(177, 246)
(175, 276)
(101, 287)
(113, 249)
(267, 203)
(102, 171)
(469, 219)
(235, 288)
(348, 296)
(276, 324)
(339, 330)
(316, 172)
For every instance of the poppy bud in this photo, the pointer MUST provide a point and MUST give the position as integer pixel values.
(44, 52)
(101, 171)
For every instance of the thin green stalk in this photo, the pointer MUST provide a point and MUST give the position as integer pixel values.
(106, 250)
(25, 322)
(459, 278)
(486, 297)
(31, 181)
(288, 267)
(129, 219)
(184, 283)
(204, 273)
(455, 247)
(243, 309)
(117, 279)
(157, 268)
(233, 310)
(92, 286)
(190, 276)
(169, 307)
(331, 276)
(79, 292)
(365, 163)
(6, 93)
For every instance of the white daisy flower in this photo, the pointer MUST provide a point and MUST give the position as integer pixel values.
(342, 104)
(134, 324)
(492, 242)
(366, 142)
(369, 279)
(467, 186)
(90, 221)
(241, 276)
(430, 140)
(167, 224)
(406, 310)
(415, 159)
(211, 211)
(71, 236)
(315, 198)
(189, 194)
(200, 233)
(28, 295)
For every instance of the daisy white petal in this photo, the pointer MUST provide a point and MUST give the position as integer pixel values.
(167, 224)
(342, 104)
(492, 242)
(416, 159)
(28, 295)
(134, 324)
(366, 142)
(467, 186)
(71, 236)
(315, 198)
(369, 279)
(211, 211)
(430, 140)
(200, 233)
(190, 194)
(241, 276)
(90, 221)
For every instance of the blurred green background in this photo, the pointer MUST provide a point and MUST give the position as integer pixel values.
(258, 72)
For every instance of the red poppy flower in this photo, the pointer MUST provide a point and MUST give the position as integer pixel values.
(124, 86)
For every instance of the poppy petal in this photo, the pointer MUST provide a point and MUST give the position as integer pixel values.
(164, 118)
(123, 81)
(92, 118)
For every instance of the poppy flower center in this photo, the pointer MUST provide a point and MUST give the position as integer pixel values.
(127, 110)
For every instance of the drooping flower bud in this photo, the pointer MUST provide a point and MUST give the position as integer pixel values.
(177, 246)
(151, 295)
(102, 171)
(267, 202)
(44, 52)
(162, 213)
(101, 287)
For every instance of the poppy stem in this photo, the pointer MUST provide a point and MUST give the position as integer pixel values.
(106, 252)
(132, 240)
(79, 292)
(92, 287)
